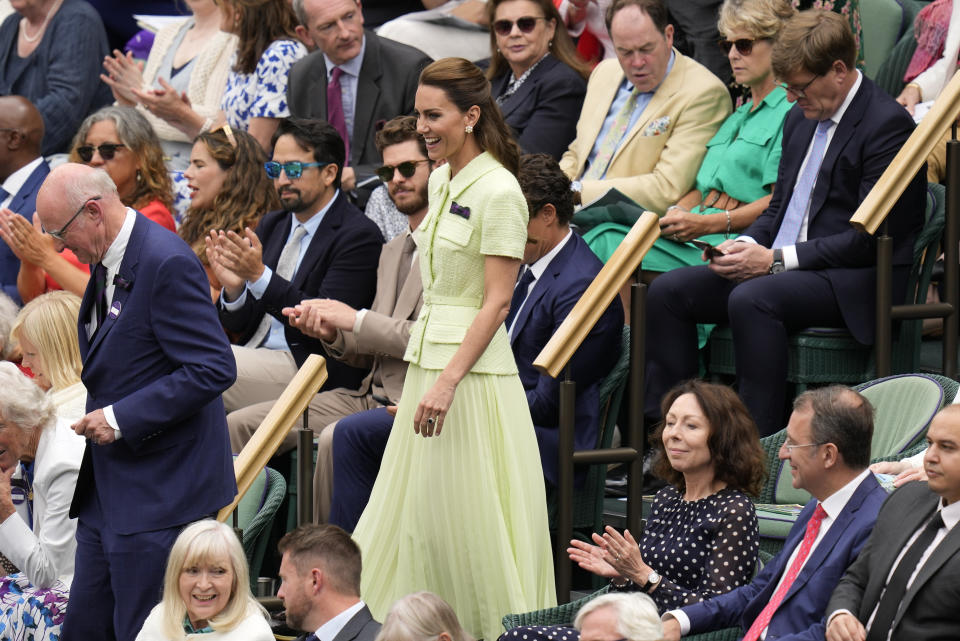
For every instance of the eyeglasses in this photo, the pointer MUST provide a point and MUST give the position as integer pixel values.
(790, 448)
(525, 24)
(744, 46)
(406, 169)
(228, 132)
(799, 93)
(293, 169)
(107, 151)
(60, 234)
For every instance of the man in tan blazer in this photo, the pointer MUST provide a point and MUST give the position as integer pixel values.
(647, 115)
(374, 338)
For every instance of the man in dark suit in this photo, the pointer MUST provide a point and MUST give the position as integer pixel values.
(801, 263)
(375, 78)
(22, 171)
(318, 246)
(558, 268)
(320, 585)
(904, 584)
(155, 362)
(828, 449)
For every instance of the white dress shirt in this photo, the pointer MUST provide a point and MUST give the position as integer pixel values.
(538, 268)
(329, 630)
(15, 181)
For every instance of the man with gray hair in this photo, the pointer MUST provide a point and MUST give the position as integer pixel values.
(155, 362)
(828, 449)
(617, 616)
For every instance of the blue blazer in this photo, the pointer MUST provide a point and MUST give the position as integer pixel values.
(548, 303)
(801, 613)
(24, 202)
(162, 361)
(340, 263)
(869, 135)
(543, 112)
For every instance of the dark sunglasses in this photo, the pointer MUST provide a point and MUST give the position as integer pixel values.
(744, 46)
(525, 24)
(406, 169)
(107, 151)
(293, 169)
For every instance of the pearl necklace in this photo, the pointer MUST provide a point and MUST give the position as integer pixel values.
(43, 27)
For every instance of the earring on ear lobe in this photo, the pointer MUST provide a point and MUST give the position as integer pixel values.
(139, 176)
(468, 129)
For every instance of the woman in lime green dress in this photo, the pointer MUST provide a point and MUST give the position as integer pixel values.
(735, 181)
(459, 506)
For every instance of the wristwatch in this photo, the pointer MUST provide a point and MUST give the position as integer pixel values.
(653, 580)
(777, 266)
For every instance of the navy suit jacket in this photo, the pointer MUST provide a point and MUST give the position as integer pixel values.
(801, 613)
(24, 202)
(547, 305)
(871, 132)
(543, 112)
(929, 609)
(340, 263)
(162, 361)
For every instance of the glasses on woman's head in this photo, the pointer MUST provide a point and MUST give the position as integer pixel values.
(106, 150)
(293, 169)
(744, 46)
(407, 169)
(228, 132)
(525, 24)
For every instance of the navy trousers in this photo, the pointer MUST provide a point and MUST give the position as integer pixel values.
(358, 444)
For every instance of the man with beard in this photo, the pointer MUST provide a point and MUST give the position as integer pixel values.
(374, 338)
(318, 246)
(320, 585)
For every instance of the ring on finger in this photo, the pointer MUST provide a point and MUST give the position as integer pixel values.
(430, 421)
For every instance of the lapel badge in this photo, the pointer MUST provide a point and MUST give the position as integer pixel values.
(115, 309)
(460, 210)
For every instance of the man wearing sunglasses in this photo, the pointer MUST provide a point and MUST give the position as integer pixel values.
(368, 79)
(155, 362)
(374, 338)
(647, 115)
(317, 246)
(22, 171)
(800, 264)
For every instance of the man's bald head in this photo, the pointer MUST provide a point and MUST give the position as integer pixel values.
(21, 126)
(82, 204)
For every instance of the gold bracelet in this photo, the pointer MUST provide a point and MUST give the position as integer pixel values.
(729, 223)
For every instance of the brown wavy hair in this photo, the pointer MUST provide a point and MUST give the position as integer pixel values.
(259, 23)
(137, 135)
(246, 195)
(561, 47)
(465, 86)
(734, 443)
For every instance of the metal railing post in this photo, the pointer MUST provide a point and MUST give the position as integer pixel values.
(883, 337)
(565, 476)
(951, 260)
(305, 471)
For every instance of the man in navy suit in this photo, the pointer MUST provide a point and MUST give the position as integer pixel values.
(561, 266)
(828, 449)
(155, 363)
(801, 263)
(22, 171)
(318, 246)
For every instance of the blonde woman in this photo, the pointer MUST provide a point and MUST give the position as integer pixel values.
(206, 591)
(46, 329)
(422, 616)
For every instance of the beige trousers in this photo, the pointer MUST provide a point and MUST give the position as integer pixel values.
(262, 375)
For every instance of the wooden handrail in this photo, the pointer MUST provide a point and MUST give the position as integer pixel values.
(905, 165)
(264, 443)
(577, 325)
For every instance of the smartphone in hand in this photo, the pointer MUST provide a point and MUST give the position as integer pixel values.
(707, 248)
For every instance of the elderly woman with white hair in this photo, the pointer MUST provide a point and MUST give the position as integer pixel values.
(48, 453)
(206, 591)
(620, 616)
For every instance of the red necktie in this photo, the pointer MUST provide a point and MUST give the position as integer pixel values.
(762, 621)
(335, 110)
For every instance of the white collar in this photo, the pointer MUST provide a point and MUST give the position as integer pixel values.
(15, 181)
(114, 254)
(838, 114)
(833, 505)
(541, 265)
(329, 630)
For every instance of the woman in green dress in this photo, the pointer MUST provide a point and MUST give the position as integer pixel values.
(735, 181)
(459, 505)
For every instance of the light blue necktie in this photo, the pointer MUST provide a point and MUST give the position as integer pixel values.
(797, 208)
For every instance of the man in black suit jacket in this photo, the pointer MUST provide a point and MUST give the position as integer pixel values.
(320, 585)
(877, 599)
(379, 78)
(801, 263)
(318, 246)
